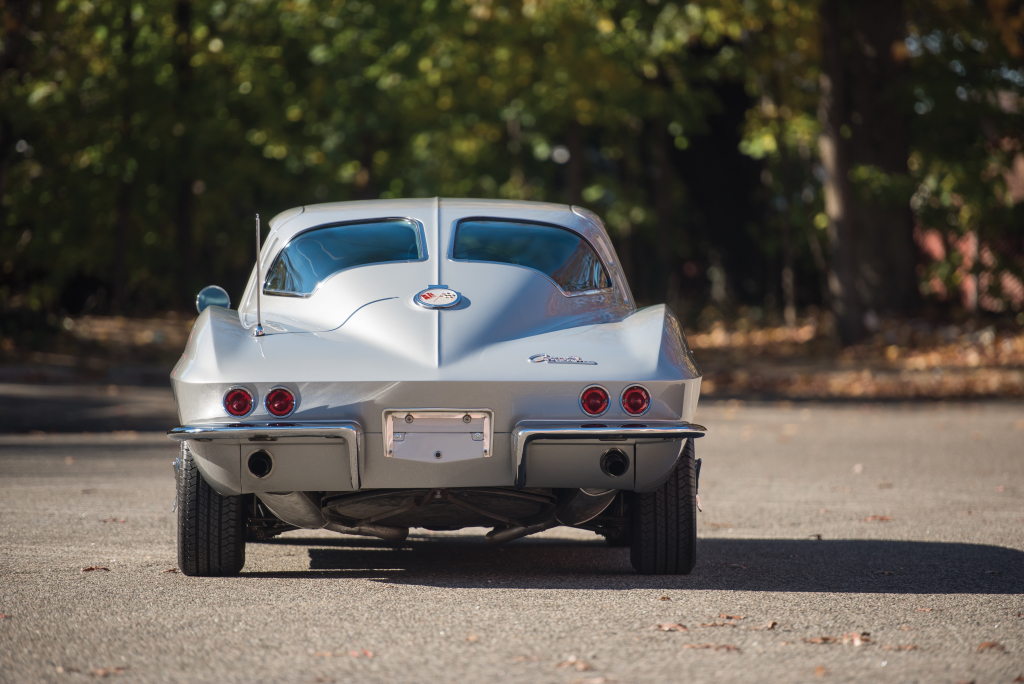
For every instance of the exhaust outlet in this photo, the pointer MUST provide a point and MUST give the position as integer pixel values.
(614, 463)
(260, 463)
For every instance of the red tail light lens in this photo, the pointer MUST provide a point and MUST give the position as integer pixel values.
(280, 402)
(636, 400)
(594, 400)
(238, 402)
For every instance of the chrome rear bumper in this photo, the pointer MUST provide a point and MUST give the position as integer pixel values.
(349, 431)
(527, 431)
(521, 436)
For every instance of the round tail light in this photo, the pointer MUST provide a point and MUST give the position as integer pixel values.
(594, 400)
(280, 402)
(636, 400)
(238, 402)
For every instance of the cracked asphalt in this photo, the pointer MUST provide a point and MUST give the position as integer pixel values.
(896, 526)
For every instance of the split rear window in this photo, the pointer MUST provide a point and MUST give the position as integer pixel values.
(315, 255)
(560, 254)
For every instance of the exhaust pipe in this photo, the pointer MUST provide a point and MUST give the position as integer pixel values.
(615, 463)
(260, 463)
(386, 532)
(575, 507)
(297, 508)
(507, 534)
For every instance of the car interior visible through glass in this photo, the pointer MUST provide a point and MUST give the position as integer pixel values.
(315, 255)
(560, 254)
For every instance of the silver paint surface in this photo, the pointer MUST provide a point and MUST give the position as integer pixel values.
(359, 345)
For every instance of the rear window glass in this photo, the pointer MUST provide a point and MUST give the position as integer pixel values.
(558, 253)
(313, 256)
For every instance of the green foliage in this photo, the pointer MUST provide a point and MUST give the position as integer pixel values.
(140, 138)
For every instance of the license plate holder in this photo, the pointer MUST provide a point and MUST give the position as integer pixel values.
(437, 435)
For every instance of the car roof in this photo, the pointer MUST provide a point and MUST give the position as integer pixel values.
(289, 223)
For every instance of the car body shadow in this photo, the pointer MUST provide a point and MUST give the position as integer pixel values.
(785, 565)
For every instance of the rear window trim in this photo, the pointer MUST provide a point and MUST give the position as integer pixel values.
(529, 222)
(336, 224)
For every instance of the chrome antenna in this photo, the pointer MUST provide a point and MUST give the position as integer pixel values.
(259, 285)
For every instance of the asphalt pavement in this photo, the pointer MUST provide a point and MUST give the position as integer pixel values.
(838, 543)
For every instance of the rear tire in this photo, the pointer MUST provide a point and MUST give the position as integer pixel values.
(664, 535)
(211, 527)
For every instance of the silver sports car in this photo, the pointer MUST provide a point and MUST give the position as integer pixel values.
(436, 363)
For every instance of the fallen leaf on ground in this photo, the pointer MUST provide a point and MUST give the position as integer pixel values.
(716, 647)
(523, 659)
(717, 624)
(923, 610)
(883, 572)
(94, 567)
(732, 617)
(61, 669)
(664, 598)
(113, 520)
(737, 565)
(768, 625)
(106, 671)
(900, 647)
(574, 662)
(1020, 678)
(991, 646)
(878, 518)
(169, 570)
(590, 680)
(820, 671)
(472, 638)
(4, 617)
(323, 654)
(821, 640)
(670, 627)
(815, 537)
(856, 639)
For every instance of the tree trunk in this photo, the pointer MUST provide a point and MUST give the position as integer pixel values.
(663, 205)
(124, 197)
(835, 159)
(13, 51)
(865, 124)
(574, 167)
(880, 137)
(183, 196)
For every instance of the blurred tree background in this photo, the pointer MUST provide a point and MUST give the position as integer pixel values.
(858, 156)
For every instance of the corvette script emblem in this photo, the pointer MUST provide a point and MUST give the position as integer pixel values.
(541, 358)
(437, 298)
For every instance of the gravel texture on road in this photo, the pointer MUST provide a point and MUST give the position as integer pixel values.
(838, 543)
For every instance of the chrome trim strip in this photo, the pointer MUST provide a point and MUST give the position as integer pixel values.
(349, 431)
(527, 431)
